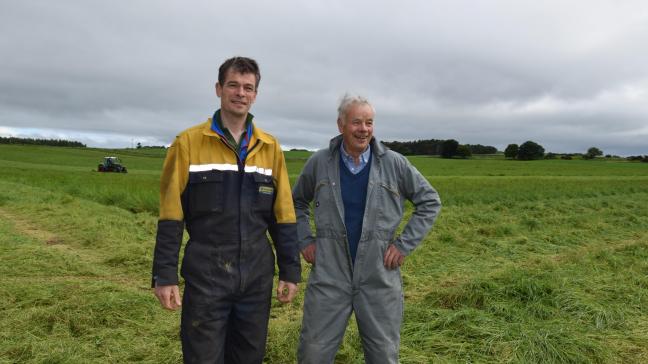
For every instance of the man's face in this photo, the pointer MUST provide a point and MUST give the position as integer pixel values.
(357, 128)
(237, 93)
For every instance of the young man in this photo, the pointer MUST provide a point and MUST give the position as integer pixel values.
(225, 180)
(358, 187)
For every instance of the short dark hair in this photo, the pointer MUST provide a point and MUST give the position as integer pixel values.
(241, 65)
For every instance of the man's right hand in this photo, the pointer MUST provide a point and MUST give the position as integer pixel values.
(309, 253)
(169, 296)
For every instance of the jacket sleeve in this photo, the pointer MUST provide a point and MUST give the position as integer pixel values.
(283, 229)
(303, 194)
(173, 181)
(427, 205)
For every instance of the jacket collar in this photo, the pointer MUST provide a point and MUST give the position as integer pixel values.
(257, 133)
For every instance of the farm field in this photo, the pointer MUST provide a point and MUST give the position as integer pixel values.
(529, 262)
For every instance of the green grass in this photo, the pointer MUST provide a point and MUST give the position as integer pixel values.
(541, 262)
(489, 167)
(75, 282)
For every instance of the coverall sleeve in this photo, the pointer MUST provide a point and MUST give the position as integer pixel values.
(303, 194)
(427, 205)
(283, 228)
(173, 181)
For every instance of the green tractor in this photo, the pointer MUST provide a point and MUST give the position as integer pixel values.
(111, 164)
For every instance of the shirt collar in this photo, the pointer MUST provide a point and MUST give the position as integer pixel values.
(217, 123)
(364, 157)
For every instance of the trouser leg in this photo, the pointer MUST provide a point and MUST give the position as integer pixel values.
(247, 328)
(379, 314)
(202, 330)
(326, 314)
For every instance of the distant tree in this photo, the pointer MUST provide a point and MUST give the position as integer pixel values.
(530, 150)
(139, 145)
(463, 151)
(511, 151)
(638, 158)
(566, 156)
(427, 147)
(481, 149)
(418, 147)
(449, 148)
(592, 153)
(551, 156)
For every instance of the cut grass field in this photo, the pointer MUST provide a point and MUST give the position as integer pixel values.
(541, 262)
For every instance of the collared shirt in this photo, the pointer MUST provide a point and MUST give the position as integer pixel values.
(239, 146)
(349, 162)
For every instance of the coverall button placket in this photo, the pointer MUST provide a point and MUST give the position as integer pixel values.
(242, 206)
(247, 191)
(368, 221)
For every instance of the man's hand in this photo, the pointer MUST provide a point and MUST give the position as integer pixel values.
(286, 291)
(393, 257)
(169, 296)
(309, 253)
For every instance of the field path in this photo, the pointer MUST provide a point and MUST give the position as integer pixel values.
(28, 228)
(114, 243)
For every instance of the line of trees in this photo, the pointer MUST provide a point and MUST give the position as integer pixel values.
(140, 146)
(445, 148)
(638, 158)
(50, 142)
(530, 150)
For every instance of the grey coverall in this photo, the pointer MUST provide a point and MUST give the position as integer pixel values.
(337, 287)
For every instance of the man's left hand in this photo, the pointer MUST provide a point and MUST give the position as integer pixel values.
(286, 291)
(393, 257)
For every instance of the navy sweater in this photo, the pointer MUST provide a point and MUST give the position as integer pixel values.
(354, 196)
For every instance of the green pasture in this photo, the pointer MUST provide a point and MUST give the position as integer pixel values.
(529, 262)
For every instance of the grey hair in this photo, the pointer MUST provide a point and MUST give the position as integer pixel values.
(349, 100)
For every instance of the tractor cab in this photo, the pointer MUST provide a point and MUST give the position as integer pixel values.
(111, 164)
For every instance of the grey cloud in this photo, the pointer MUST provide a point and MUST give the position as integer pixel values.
(476, 72)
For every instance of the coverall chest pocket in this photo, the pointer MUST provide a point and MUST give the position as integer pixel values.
(324, 204)
(264, 192)
(205, 192)
(391, 206)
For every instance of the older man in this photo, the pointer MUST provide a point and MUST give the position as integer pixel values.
(358, 187)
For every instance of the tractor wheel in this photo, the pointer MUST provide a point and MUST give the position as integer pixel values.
(124, 170)
(100, 168)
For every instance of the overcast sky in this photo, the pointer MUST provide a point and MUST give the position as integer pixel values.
(566, 74)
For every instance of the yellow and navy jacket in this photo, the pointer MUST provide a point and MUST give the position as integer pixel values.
(227, 206)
